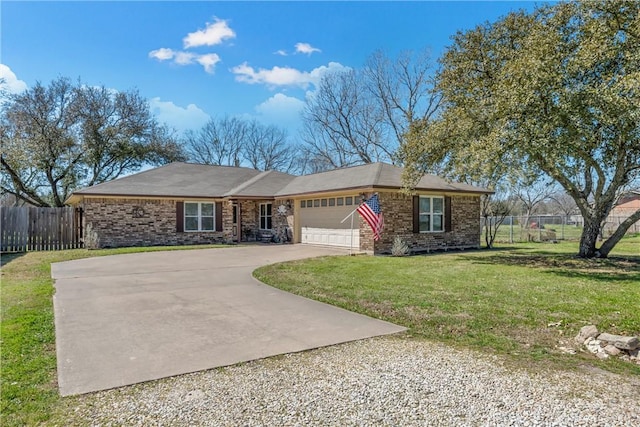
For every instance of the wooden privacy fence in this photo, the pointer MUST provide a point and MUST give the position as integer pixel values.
(40, 229)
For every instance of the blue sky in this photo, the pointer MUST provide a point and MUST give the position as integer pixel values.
(197, 60)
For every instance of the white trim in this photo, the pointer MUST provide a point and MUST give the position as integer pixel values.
(260, 216)
(199, 230)
(431, 214)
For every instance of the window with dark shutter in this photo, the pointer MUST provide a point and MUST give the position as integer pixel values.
(179, 217)
(218, 216)
(447, 214)
(416, 214)
(430, 214)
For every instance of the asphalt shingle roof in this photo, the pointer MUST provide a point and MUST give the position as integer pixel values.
(195, 180)
(192, 180)
(372, 175)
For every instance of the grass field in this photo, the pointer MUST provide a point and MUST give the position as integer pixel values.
(523, 301)
(500, 301)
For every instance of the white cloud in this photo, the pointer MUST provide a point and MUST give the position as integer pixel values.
(281, 110)
(184, 58)
(9, 81)
(306, 48)
(214, 33)
(207, 60)
(281, 52)
(283, 76)
(180, 118)
(162, 54)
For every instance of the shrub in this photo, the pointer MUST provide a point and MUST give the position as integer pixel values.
(400, 247)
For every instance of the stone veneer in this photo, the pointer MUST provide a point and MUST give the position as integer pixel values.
(111, 222)
(141, 222)
(397, 209)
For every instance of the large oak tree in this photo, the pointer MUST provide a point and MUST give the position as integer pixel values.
(63, 136)
(557, 89)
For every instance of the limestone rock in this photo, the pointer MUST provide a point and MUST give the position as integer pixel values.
(589, 331)
(593, 345)
(612, 350)
(620, 341)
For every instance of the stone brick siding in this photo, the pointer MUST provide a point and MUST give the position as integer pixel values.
(130, 222)
(250, 218)
(397, 209)
(283, 223)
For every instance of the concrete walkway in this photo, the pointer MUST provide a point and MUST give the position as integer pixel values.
(126, 319)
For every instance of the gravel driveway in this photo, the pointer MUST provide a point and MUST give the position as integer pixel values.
(388, 381)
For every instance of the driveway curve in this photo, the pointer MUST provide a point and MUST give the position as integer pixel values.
(126, 319)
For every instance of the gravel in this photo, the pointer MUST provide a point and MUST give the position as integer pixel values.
(386, 381)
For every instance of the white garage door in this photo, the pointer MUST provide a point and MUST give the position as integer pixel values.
(320, 224)
(331, 237)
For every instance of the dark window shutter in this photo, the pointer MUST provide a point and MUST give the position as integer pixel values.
(218, 216)
(447, 213)
(416, 214)
(179, 217)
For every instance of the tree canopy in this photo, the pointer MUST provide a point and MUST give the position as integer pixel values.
(557, 91)
(63, 136)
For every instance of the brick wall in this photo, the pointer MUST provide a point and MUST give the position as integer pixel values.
(127, 222)
(283, 222)
(397, 209)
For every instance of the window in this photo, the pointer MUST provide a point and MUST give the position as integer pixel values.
(309, 203)
(265, 216)
(316, 203)
(303, 203)
(340, 201)
(199, 216)
(332, 202)
(431, 211)
(323, 203)
(348, 201)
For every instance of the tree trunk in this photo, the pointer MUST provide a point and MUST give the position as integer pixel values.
(606, 247)
(589, 238)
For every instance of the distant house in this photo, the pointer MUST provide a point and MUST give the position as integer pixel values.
(624, 208)
(183, 203)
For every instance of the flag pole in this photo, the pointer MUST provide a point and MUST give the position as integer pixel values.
(345, 218)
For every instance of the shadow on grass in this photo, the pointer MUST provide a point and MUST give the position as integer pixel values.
(624, 269)
(7, 257)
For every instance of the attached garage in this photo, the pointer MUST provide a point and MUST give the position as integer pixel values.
(320, 221)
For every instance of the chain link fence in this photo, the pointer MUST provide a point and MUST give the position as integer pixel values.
(545, 228)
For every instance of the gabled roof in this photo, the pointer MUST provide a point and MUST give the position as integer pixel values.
(265, 184)
(189, 180)
(372, 175)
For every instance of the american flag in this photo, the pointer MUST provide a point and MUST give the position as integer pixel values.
(370, 211)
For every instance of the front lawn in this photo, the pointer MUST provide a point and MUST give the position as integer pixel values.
(522, 300)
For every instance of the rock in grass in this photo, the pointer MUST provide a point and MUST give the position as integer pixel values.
(586, 332)
(620, 341)
(612, 350)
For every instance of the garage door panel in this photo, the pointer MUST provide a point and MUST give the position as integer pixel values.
(329, 217)
(322, 226)
(330, 237)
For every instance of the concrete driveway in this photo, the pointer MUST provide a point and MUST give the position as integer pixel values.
(125, 319)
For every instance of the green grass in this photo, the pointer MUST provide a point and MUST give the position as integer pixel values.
(29, 394)
(501, 301)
